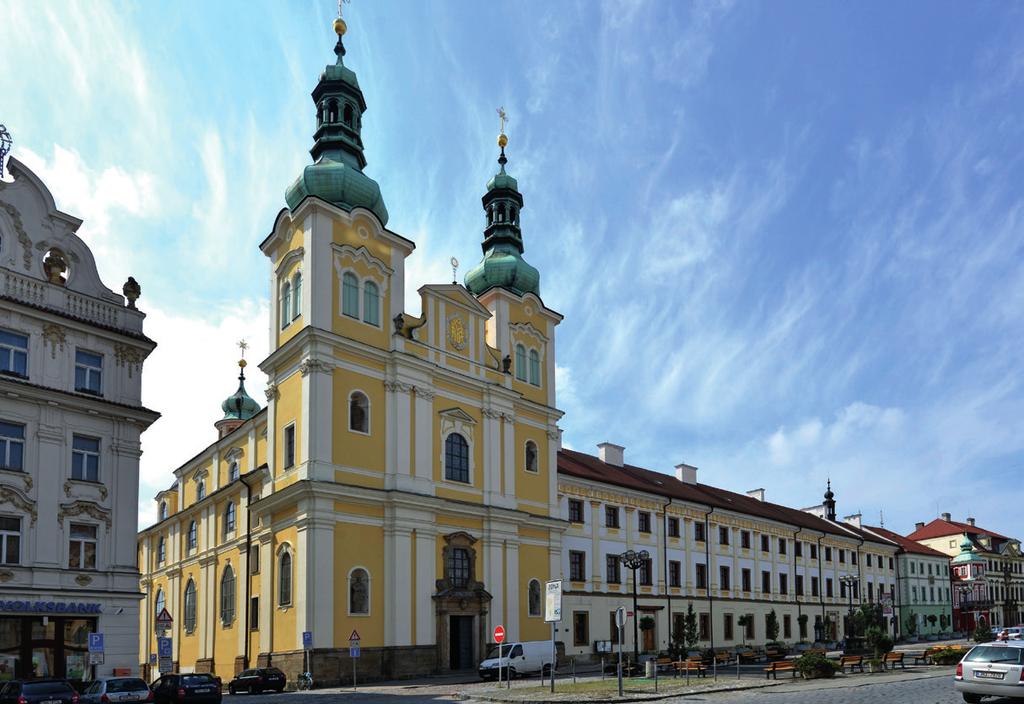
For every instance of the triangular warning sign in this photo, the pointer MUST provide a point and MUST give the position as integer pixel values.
(355, 635)
(164, 616)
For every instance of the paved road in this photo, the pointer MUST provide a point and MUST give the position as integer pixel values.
(938, 690)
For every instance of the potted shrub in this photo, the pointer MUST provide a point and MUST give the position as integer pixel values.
(911, 626)
(875, 665)
(947, 656)
(814, 666)
(880, 644)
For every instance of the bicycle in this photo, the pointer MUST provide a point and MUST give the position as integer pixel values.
(305, 681)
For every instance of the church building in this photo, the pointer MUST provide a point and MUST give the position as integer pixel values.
(400, 485)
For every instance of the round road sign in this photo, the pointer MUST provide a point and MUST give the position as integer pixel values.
(499, 634)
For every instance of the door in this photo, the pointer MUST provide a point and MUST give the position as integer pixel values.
(648, 639)
(460, 646)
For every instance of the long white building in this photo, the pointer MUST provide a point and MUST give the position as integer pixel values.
(71, 356)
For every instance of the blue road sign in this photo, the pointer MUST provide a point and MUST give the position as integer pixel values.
(163, 647)
(353, 650)
(307, 639)
(152, 658)
(95, 642)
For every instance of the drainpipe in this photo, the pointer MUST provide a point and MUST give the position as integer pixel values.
(248, 565)
(664, 559)
(795, 595)
(821, 585)
(860, 574)
(707, 561)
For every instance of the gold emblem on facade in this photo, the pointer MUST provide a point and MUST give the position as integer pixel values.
(457, 332)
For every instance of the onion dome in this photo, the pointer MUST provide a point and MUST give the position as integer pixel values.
(967, 552)
(503, 265)
(238, 407)
(336, 174)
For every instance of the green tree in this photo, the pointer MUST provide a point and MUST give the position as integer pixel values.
(983, 634)
(743, 622)
(911, 623)
(771, 627)
(691, 634)
(878, 640)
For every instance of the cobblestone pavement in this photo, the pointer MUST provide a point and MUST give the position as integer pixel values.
(935, 690)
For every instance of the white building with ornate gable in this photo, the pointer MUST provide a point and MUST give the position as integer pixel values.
(71, 356)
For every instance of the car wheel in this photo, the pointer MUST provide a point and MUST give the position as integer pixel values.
(511, 673)
(545, 671)
(972, 698)
(231, 689)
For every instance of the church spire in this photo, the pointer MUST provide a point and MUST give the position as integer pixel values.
(503, 265)
(239, 406)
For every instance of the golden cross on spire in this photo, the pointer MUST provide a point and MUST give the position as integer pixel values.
(503, 116)
(340, 3)
(243, 345)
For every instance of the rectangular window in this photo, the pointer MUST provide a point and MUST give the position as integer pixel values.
(871, 591)
(913, 595)
(289, 446)
(645, 574)
(765, 544)
(766, 582)
(611, 568)
(723, 577)
(577, 566)
(814, 586)
(912, 571)
(842, 590)
(12, 446)
(749, 628)
(575, 511)
(842, 556)
(828, 554)
(787, 626)
(890, 564)
(727, 626)
(674, 573)
(798, 585)
(782, 546)
(783, 584)
(673, 527)
(643, 519)
(701, 575)
(929, 568)
(580, 628)
(88, 372)
(254, 613)
(85, 458)
(613, 628)
(611, 516)
(723, 535)
(745, 579)
(745, 539)
(254, 559)
(704, 623)
(802, 625)
(868, 557)
(814, 551)
(931, 593)
(828, 587)
(798, 549)
(853, 557)
(82, 547)
(13, 353)
(698, 532)
(856, 590)
(10, 540)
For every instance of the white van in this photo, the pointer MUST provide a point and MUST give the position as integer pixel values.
(520, 658)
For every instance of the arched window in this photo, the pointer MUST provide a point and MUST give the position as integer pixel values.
(371, 304)
(501, 212)
(233, 471)
(350, 295)
(359, 592)
(227, 596)
(201, 490)
(193, 536)
(359, 412)
(321, 111)
(229, 519)
(520, 363)
(190, 606)
(286, 304)
(332, 111)
(533, 598)
(535, 367)
(161, 550)
(296, 295)
(531, 456)
(490, 216)
(513, 215)
(284, 579)
(456, 458)
(163, 510)
(348, 114)
(159, 604)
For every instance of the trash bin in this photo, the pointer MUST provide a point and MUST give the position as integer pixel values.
(649, 669)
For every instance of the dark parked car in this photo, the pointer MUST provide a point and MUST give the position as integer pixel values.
(186, 689)
(257, 680)
(116, 690)
(38, 692)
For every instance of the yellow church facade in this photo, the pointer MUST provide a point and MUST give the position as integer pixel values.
(401, 481)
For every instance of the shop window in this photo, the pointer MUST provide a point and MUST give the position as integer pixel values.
(456, 458)
(82, 547)
(533, 598)
(85, 458)
(359, 592)
(10, 540)
(190, 607)
(13, 353)
(88, 372)
(12, 446)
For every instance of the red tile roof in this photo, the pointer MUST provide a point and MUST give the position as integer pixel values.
(907, 544)
(940, 528)
(584, 466)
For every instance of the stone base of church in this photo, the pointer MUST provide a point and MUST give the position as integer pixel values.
(204, 665)
(332, 667)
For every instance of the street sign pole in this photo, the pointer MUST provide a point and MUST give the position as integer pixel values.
(620, 621)
(353, 654)
(553, 614)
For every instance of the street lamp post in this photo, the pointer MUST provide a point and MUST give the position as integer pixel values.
(633, 560)
(849, 581)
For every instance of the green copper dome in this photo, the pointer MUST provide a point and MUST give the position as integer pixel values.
(503, 265)
(967, 553)
(336, 174)
(239, 405)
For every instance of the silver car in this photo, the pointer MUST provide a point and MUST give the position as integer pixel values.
(115, 690)
(991, 670)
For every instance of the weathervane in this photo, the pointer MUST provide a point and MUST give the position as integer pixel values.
(5, 147)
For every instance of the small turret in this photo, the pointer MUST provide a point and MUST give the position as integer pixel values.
(238, 407)
(830, 502)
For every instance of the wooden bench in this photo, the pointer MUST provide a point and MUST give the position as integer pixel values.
(925, 656)
(816, 651)
(723, 657)
(893, 659)
(851, 661)
(663, 663)
(774, 654)
(748, 656)
(693, 665)
(778, 666)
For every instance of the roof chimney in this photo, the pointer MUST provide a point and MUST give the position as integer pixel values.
(946, 517)
(686, 473)
(610, 453)
(919, 525)
(970, 521)
(853, 520)
(756, 494)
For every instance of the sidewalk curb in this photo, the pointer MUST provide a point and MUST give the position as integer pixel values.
(616, 700)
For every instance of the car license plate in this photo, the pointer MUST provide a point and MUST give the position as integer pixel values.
(50, 701)
(989, 675)
(204, 690)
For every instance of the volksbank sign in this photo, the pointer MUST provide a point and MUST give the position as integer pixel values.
(48, 607)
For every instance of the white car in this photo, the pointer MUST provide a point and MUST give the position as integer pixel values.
(519, 658)
(991, 670)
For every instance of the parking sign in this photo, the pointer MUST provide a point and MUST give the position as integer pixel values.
(95, 642)
(307, 639)
(163, 647)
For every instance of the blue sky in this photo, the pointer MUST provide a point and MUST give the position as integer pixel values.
(786, 237)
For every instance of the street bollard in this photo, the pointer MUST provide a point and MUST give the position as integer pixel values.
(574, 670)
(655, 677)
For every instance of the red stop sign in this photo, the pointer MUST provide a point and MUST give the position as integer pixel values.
(499, 634)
